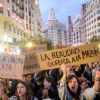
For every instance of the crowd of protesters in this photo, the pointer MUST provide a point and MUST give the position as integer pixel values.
(66, 83)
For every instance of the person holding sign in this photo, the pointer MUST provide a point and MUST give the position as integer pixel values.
(69, 87)
(3, 90)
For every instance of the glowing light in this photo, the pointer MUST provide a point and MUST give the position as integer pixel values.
(36, 2)
(99, 46)
(1, 5)
(18, 51)
(29, 44)
(5, 38)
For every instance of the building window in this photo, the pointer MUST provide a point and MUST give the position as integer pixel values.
(17, 31)
(8, 12)
(95, 32)
(13, 9)
(94, 20)
(9, 27)
(26, 9)
(26, 17)
(8, 1)
(16, 11)
(29, 13)
(1, 8)
(98, 18)
(5, 25)
(98, 24)
(27, 26)
(26, 1)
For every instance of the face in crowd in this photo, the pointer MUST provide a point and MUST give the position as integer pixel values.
(23, 90)
(48, 82)
(83, 83)
(28, 78)
(2, 87)
(73, 83)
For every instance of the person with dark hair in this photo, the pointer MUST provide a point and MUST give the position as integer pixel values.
(22, 92)
(49, 85)
(83, 82)
(69, 87)
(88, 72)
(13, 88)
(3, 90)
(28, 79)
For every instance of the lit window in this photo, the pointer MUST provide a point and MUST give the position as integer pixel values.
(1, 8)
(8, 12)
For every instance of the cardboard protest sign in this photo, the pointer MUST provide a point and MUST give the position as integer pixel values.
(11, 66)
(31, 60)
(72, 55)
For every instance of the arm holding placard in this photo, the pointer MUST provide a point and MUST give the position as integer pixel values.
(62, 89)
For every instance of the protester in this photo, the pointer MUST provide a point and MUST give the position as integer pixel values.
(83, 82)
(28, 79)
(13, 88)
(3, 90)
(88, 72)
(80, 82)
(50, 84)
(94, 92)
(97, 67)
(69, 87)
(45, 94)
(9, 88)
(22, 92)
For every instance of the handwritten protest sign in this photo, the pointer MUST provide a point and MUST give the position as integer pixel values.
(71, 55)
(11, 66)
(31, 60)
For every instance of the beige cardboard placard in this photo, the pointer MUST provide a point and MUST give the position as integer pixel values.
(11, 66)
(31, 61)
(72, 55)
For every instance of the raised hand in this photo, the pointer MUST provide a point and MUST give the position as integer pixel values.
(64, 69)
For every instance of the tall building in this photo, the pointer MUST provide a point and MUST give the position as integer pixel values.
(76, 37)
(18, 19)
(70, 31)
(83, 23)
(92, 19)
(55, 30)
(86, 25)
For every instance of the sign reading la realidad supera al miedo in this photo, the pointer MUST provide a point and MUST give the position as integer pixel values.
(72, 55)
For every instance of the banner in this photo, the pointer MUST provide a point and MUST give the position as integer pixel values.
(11, 66)
(31, 60)
(72, 55)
